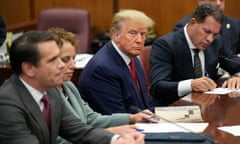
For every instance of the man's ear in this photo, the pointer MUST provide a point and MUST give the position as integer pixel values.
(28, 69)
(192, 21)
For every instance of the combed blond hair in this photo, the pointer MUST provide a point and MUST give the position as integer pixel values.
(130, 14)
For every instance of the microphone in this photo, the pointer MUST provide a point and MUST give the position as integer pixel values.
(156, 118)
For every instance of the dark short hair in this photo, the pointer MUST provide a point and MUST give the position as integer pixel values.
(208, 9)
(25, 49)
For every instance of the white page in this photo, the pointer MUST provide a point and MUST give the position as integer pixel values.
(222, 91)
(219, 91)
(234, 130)
(172, 127)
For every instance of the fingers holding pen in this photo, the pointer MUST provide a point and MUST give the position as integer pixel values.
(203, 84)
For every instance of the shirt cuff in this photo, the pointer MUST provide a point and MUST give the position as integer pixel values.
(184, 87)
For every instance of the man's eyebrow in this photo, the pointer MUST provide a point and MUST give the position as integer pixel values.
(52, 59)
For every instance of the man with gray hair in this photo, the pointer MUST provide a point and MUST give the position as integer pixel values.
(113, 80)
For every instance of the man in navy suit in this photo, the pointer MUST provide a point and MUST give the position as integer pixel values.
(106, 82)
(172, 58)
(230, 29)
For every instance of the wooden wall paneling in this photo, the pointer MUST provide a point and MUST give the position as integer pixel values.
(42, 4)
(232, 8)
(165, 13)
(15, 11)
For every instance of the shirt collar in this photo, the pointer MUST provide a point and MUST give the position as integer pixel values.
(37, 95)
(189, 42)
(123, 55)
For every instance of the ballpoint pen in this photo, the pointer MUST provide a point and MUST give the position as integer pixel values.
(207, 74)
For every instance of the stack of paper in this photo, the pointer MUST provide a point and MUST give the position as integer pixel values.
(222, 91)
(234, 130)
(179, 114)
(171, 127)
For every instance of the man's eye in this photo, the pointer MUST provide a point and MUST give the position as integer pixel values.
(132, 33)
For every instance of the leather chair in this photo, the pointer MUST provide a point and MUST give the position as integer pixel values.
(144, 60)
(76, 21)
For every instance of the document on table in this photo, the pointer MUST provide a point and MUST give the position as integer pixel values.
(234, 130)
(179, 113)
(171, 127)
(222, 91)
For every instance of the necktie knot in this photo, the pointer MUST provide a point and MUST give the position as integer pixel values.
(46, 109)
(196, 51)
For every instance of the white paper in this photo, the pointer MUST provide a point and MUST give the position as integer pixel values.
(172, 127)
(234, 130)
(179, 114)
(222, 91)
(81, 60)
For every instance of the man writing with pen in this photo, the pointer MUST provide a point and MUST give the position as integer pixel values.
(187, 60)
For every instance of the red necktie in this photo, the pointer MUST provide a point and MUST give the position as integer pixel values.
(46, 110)
(133, 72)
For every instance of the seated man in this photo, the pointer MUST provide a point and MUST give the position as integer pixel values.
(230, 30)
(113, 79)
(180, 60)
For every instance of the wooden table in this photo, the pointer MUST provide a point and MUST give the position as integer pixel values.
(217, 110)
(6, 71)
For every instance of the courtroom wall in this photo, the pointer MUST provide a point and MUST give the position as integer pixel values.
(164, 12)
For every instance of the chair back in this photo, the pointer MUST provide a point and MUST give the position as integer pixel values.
(73, 20)
(144, 60)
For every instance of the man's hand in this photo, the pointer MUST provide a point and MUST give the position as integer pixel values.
(232, 83)
(132, 138)
(141, 116)
(203, 84)
(121, 130)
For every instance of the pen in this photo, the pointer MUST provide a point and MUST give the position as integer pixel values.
(139, 130)
(207, 74)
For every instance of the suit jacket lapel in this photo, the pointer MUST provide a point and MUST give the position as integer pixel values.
(184, 57)
(32, 107)
(116, 57)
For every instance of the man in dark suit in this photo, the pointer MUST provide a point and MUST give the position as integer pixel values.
(230, 30)
(3, 31)
(173, 69)
(28, 117)
(106, 82)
